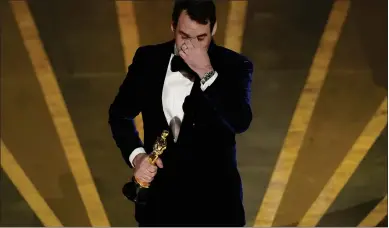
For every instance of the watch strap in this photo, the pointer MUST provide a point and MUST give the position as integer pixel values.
(207, 76)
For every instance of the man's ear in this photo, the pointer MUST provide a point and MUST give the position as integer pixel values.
(172, 27)
(214, 29)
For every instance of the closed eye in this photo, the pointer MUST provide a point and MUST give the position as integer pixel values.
(201, 37)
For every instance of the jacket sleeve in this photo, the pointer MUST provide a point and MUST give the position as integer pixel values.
(125, 107)
(227, 101)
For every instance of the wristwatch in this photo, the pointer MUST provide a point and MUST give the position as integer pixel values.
(207, 76)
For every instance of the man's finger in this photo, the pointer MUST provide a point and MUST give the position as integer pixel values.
(144, 163)
(148, 178)
(185, 48)
(139, 176)
(189, 44)
(159, 163)
(182, 54)
(195, 42)
(152, 168)
(148, 174)
(145, 179)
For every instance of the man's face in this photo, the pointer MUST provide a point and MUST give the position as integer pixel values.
(188, 29)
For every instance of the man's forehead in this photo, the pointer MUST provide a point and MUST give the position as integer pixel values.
(188, 24)
(193, 31)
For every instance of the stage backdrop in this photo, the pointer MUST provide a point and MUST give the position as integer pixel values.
(316, 151)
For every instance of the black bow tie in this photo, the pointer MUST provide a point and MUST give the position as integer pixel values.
(178, 64)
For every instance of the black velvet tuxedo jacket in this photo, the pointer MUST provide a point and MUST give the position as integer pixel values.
(200, 183)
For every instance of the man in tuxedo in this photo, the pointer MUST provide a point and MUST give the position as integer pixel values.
(200, 93)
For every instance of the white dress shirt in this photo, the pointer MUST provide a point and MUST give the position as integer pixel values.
(176, 87)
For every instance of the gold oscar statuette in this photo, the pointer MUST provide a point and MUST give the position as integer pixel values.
(136, 190)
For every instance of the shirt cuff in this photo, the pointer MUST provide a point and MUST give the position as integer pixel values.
(137, 151)
(209, 82)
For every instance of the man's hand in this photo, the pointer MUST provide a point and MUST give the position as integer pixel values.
(144, 171)
(196, 57)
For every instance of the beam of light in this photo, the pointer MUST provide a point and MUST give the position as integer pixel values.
(59, 113)
(302, 115)
(27, 189)
(348, 166)
(236, 21)
(376, 215)
(129, 34)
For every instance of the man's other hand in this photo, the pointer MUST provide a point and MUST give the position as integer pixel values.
(144, 171)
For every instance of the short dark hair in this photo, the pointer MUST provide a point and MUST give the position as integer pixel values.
(201, 11)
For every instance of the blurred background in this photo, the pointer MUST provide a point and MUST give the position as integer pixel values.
(316, 151)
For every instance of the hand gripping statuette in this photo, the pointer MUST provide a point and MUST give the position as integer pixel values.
(136, 190)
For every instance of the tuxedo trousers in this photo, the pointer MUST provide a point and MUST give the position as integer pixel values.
(191, 211)
(185, 194)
